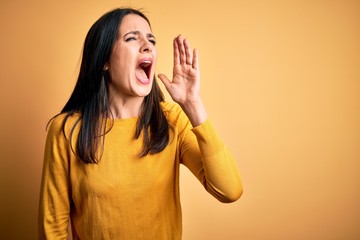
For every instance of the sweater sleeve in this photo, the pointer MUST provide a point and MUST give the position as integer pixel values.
(210, 161)
(54, 206)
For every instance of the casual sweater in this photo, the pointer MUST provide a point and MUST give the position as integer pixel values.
(125, 196)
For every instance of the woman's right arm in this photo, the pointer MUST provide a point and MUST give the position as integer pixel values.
(55, 190)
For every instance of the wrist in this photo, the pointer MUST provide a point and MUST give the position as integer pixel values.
(195, 111)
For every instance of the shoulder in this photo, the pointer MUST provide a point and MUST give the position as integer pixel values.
(63, 123)
(170, 106)
(171, 109)
(175, 115)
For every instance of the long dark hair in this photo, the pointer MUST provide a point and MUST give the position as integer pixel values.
(90, 97)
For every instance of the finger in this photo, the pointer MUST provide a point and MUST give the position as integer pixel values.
(165, 80)
(195, 61)
(176, 52)
(188, 52)
(181, 48)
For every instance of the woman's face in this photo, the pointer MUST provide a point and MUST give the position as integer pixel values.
(133, 59)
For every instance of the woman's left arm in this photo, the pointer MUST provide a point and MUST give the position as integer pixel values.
(203, 152)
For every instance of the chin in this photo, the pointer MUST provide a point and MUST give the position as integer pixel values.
(143, 92)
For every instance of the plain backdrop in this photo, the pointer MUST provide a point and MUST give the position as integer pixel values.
(281, 83)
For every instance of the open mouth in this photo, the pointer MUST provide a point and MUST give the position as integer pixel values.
(145, 66)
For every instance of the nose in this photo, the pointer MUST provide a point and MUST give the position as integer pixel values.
(146, 46)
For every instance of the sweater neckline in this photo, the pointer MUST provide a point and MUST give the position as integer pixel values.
(117, 121)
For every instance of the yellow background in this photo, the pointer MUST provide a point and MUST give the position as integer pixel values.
(281, 82)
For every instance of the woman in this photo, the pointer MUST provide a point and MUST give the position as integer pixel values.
(112, 155)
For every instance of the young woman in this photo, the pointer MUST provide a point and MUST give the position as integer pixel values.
(112, 156)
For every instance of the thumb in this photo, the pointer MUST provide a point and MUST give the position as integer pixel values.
(165, 81)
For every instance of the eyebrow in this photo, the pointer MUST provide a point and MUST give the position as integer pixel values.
(149, 35)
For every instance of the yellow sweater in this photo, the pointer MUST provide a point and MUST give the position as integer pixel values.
(124, 196)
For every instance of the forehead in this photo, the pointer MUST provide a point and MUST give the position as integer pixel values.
(133, 22)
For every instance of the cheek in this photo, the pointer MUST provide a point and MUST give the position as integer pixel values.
(155, 58)
(128, 59)
(118, 65)
(155, 53)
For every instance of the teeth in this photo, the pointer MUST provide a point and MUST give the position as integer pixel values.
(145, 63)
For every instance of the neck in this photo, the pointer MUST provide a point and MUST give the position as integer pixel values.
(126, 108)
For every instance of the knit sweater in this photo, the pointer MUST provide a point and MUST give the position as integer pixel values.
(125, 196)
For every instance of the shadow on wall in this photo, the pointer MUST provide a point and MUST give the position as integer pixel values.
(21, 157)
